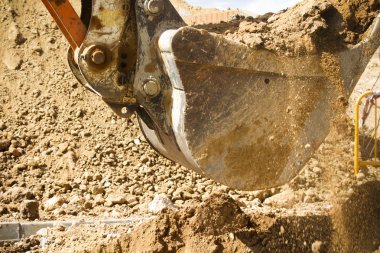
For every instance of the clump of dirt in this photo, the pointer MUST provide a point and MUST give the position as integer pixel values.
(310, 27)
(186, 230)
(217, 225)
(206, 227)
(357, 219)
(357, 15)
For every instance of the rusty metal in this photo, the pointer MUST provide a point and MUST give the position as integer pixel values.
(68, 21)
(107, 31)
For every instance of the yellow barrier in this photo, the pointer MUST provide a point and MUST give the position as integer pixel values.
(371, 98)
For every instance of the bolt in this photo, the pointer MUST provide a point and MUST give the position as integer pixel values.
(154, 6)
(152, 87)
(98, 57)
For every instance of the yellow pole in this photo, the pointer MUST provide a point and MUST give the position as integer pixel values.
(356, 145)
(376, 126)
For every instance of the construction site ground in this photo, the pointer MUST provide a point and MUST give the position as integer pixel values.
(65, 156)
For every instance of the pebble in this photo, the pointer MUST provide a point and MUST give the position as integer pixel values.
(15, 152)
(159, 203)
(316, 247)
(115, 199)
(99, 200)
(43, 232)
(97, 190)
(144, 159)
(19, 168)
(87, 205)
(76, 200)
(30, 209)
(360, 176)
(132, 201)
(285, 199)
(2, 126)
(4, 145)
(317, 170)
(53, 203)
(12, 61)
(15, 35)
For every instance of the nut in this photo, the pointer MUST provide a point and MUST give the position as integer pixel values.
(98, 57)
(153, 6)
(152, 87)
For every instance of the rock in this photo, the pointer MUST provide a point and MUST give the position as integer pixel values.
(53, 203)
(15, 35)
(19, 193)
(316, 247)
(285, 199)
(43, 232)
(144, 159)
(4, 145)
(76, 200)
(116, 199)
(12, 61)
(317, 170)
(310, 196)
(256, 202)
(176, 195)
(98, 177)
(2, 126)
(159, 203)
(360, 176)
(62, 147)
(99, 200)
(15, 152)
(20, 167)
(186, 195)
(87, 205)
(59, 228)
(89, 154)
(66, 186)
(97, 189)
(262, 194)
(3, 210)
(132, 201)
(30, 209)
(38, 50)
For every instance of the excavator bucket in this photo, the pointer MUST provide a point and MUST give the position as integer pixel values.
(247, 118)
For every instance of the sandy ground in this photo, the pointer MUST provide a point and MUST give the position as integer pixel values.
(65, 155)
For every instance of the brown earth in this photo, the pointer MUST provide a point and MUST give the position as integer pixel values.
(62, 148)
(310, 27)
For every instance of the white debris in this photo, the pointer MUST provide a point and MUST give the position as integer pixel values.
(159, 203)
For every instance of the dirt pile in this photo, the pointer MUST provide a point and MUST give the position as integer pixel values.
(309, 27)
(357, 15)
(189, 230)
(217, 225)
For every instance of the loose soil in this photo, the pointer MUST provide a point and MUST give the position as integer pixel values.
(310, 27)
